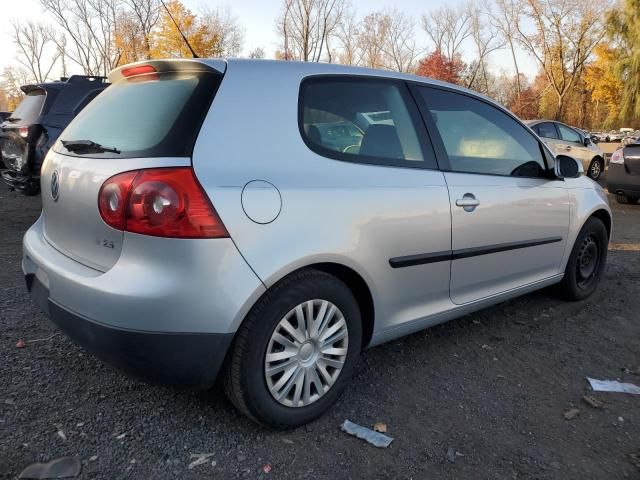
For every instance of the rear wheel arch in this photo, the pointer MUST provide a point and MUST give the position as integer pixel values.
(361, 291)
(352, 280)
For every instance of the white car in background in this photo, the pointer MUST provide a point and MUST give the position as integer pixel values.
(565, 140)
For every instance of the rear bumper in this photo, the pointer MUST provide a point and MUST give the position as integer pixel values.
(166, 315)
(619, 180)
(184, 359)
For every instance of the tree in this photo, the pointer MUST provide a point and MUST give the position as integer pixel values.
(374, 31)
(623, 25)
(566, 32)
(306, 27)
(147, 14)
(437, 66)
(11, 80)
(89, 26)
(347, 35)
(226, 34)
(399, 45)
(602, 80)
(257, 53)
(504, 21)
(448, 27)
(129, 39)
(36, 47)
(167, 41)
(486, 40)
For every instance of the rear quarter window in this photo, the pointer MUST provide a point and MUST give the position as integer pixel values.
(30, 106)
(153, 115)
(363, 120)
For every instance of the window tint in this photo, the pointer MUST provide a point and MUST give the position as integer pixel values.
(569, 134)
(30, 106)
(148, 115)
(479, 138)
(546, 130)
(359, 120)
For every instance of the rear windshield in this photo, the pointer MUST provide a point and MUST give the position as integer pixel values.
(155, 115)
(30, 106)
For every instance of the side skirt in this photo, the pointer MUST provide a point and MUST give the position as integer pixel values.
(458, 311)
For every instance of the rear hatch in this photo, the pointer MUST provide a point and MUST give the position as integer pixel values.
(632, 158)
(14, 131)
(151, 117)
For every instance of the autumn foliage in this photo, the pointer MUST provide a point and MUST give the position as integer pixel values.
(437, 66)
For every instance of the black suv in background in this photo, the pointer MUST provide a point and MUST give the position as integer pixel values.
(45, 111)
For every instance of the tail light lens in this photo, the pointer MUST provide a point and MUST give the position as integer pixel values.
(163, 202)
(23, 132)
(617, 156)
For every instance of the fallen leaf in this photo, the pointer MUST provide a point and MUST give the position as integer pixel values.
(380, 427)
(571, 413)
(266, 468)
(21, 344)
(592, 401)
(487, 347)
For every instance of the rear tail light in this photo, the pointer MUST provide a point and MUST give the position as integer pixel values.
(617, 156)
(163, 202)
(23, 132)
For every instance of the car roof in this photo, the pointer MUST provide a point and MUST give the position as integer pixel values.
(303, 69)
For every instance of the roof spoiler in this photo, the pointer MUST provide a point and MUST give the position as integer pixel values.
(172, 65)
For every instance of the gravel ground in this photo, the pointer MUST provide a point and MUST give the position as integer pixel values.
(479, 397)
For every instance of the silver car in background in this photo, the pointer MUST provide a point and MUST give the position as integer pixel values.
(565, 140)
(270, 220)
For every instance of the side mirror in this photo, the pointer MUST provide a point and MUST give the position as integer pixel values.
(587, 141)
(567, 167)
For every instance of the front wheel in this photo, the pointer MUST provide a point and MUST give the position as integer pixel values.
(586, 263)
(595, 169)
(296, 350)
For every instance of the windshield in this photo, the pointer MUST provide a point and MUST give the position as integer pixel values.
(30, 106)
(145, 116)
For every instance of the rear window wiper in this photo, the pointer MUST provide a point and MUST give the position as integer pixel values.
(87, 146)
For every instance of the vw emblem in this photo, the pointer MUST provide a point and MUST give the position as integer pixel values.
(55, 186)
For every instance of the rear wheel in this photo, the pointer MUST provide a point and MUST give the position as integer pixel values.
(586, 263)
(626, 199)
(296, 350)
(595, 169)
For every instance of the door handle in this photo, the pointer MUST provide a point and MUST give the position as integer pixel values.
(468, 202)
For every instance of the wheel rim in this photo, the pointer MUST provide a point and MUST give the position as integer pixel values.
(588, 261)
(595, 169)
(306, 353)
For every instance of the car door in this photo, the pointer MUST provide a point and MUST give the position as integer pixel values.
(549, 134)
(572, 144)
(510, 217)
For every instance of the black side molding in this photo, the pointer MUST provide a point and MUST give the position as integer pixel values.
(424, 258)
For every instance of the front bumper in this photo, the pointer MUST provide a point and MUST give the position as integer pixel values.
(182, 359)
(166, 311)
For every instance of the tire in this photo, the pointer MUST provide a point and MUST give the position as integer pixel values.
(623, 199)
(595, 168)
(245, 379)
(580, 277)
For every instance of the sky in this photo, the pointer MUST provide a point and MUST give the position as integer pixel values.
(258, 19)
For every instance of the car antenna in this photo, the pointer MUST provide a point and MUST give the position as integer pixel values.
(195, 55)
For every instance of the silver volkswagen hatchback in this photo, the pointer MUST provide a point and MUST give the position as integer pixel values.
(270, 220)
